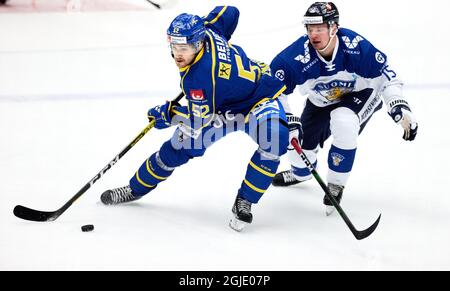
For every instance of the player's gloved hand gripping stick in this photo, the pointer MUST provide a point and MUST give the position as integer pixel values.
(359, 234)
(36, 215)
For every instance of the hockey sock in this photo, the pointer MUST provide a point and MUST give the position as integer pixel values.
(260, 172)
(299, 169)
(302, 174)
(151, 172)
(340, 163)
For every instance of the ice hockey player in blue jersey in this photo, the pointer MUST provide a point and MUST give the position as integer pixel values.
(226, 91)
(344, 77)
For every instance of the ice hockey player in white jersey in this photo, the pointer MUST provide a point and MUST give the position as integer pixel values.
(344, 77)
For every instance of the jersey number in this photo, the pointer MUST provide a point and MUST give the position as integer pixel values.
(251, 75)
(390, 74)
(201, 111)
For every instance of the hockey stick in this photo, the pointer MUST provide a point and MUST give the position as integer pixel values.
(359, 234)
(154, 4)
(167, 4)
(36, 215)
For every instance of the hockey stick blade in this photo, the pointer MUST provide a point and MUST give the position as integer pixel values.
(34, 215)
(359, 234)
(362, 234)
(42, 216)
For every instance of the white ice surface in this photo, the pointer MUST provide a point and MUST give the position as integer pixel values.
(75, 89)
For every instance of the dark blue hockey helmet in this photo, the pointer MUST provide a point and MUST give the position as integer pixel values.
(321, 12)
(186, 29)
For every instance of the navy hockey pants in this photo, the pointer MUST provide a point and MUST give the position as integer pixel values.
(265, 124)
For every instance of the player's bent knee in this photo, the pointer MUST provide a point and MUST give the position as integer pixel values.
(344, 126)
(284, 138)
(277, 137)
(176, 157)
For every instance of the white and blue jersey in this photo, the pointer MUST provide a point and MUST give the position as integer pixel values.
(356, 65)
(356, 77)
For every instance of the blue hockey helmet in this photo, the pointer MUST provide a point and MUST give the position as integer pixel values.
(321, 12)
(186, 29)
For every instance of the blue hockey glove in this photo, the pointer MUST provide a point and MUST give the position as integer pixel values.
(402, 115)
(295, 129)
(162, 114)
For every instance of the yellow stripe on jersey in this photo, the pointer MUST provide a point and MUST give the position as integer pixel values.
(188, 67)
(213, 80)
(254, 106)
(254, 188)
(197, 58)
(279, 92)
(264, 100)
(232, 47)
(262, 171)
(182, 81)
(217, 17)
(213, 69)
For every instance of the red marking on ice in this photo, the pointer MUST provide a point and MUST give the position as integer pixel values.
(39, 6)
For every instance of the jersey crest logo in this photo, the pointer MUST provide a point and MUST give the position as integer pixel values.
(224, 71)
(352, 44)
(197, 94)
(337, 159)
(304, 59)
(335, 89)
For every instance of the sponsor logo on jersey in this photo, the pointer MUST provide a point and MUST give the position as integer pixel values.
(309, 66)
(334, 89)
(223, 50)
(337, 159)
(370, 109)
(279, 75)
(304, 59)
(379, 57)
(352, 43)
(224, 71)
(350, 52)
(197, 94)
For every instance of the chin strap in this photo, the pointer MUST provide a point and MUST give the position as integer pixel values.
(329, 42)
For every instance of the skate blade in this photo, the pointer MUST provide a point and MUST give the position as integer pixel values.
(237, 225)
(329, 210)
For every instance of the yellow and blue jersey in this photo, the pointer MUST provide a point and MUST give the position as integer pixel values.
(222, 78)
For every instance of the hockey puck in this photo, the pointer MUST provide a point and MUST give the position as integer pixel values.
(87, 228)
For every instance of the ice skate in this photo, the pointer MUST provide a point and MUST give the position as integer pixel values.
(284, 179)
(118, 196)
(242, 214)
(336, 191)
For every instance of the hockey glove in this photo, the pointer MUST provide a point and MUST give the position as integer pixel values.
(402, 115)
(295, 129)
(162, 114)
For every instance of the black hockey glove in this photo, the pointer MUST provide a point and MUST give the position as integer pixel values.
(402, 115)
